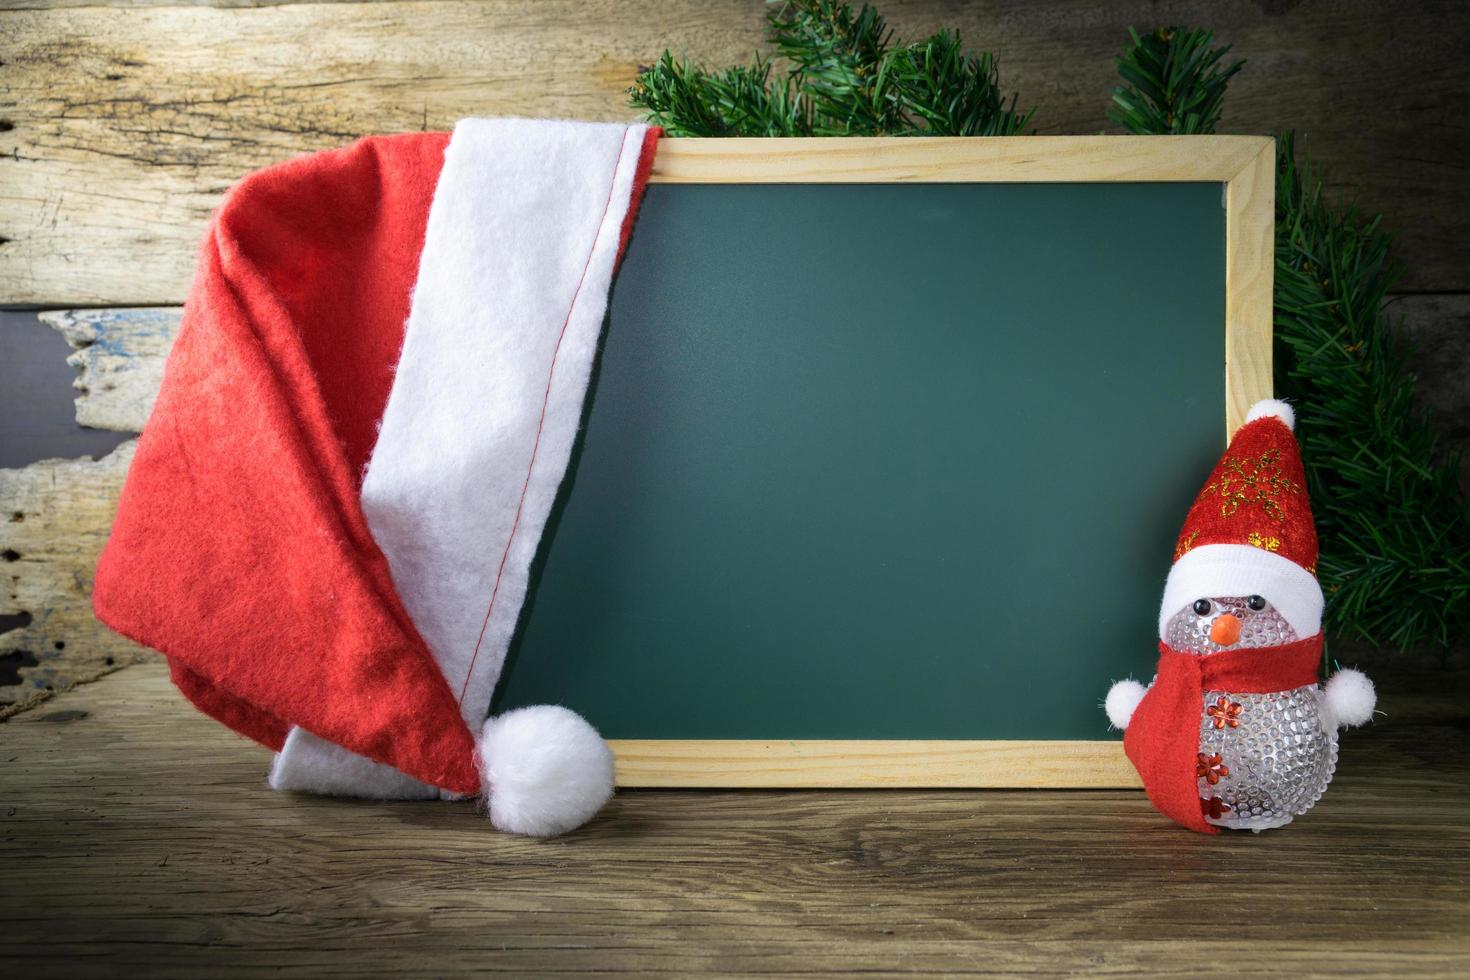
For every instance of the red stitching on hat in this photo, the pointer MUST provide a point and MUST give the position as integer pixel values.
(545, 399)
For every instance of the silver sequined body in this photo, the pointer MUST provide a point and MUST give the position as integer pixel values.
(1281, 757)
(1281, 751)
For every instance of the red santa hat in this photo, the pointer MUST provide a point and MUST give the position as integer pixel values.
(329, 522)
(1250, 530)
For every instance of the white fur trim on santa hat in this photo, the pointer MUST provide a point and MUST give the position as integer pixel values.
(307, 764)
(546, 770)
(518, 258)
(1273, 408)
(487, 397)
(1215, 570)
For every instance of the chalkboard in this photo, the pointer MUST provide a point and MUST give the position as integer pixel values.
(882, 463)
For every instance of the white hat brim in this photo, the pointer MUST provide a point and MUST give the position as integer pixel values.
(1215, 570)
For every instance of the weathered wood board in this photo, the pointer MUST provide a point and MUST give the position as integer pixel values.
(140, 840)
(119, 360)
(56, 517)
(1434, 327)
(128, 125)
(122, 127)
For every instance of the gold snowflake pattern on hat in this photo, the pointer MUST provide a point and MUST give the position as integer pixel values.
(1247, 480)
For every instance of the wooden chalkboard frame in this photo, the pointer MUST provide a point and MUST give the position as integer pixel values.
(1243, 165)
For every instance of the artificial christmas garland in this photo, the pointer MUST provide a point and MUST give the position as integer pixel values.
(1395, 539)
(847, 78)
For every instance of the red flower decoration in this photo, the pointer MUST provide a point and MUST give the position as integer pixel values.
(1214, 807)
(1225, 712)
(1210, 768)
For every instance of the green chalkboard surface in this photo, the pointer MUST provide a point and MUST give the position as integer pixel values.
(882, 461)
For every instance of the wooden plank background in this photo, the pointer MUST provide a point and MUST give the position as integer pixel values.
(122, 124)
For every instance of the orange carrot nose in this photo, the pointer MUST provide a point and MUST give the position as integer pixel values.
(1225, 630)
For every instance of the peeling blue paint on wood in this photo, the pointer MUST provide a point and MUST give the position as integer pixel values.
(119, 356)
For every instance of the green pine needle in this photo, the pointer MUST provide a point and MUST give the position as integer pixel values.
(847, 77)
(741, 101)
(1175, 83)
(949, 93)
(839, 60)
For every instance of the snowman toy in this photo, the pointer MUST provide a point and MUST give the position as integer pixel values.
(1235, 731)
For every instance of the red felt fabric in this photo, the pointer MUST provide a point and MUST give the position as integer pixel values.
(240, 549)
(1162, 738)
(1257, 495)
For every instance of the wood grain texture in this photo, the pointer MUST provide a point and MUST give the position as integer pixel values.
(124, 126)
(140, 840)
(65, 4)
(130, 124)
(119, 360)
(1250, 268)
(55, 515)
(938, 160)
(37, 413)
(872, 764)
(54, 518)
(1434, 328)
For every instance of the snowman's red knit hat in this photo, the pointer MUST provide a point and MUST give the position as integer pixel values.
(1250, 530)
(329, 521)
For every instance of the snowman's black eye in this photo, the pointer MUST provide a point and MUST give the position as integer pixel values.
(1256, 603)
(1202, 607)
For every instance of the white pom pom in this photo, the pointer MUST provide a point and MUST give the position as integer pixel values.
(1269, 407)
(1350, 697)
(1122, 699)
(546, 771)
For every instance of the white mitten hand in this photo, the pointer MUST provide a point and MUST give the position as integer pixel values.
(1350, 697)
(1122, 698)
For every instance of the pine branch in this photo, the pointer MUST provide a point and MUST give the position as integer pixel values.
(847, 78)
(952, 93)
(839, 58)
(740, 101)
(1175, 83)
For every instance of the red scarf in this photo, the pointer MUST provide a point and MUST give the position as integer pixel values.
(1162, 739)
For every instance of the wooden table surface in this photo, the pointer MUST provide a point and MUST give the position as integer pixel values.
(140, 839)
